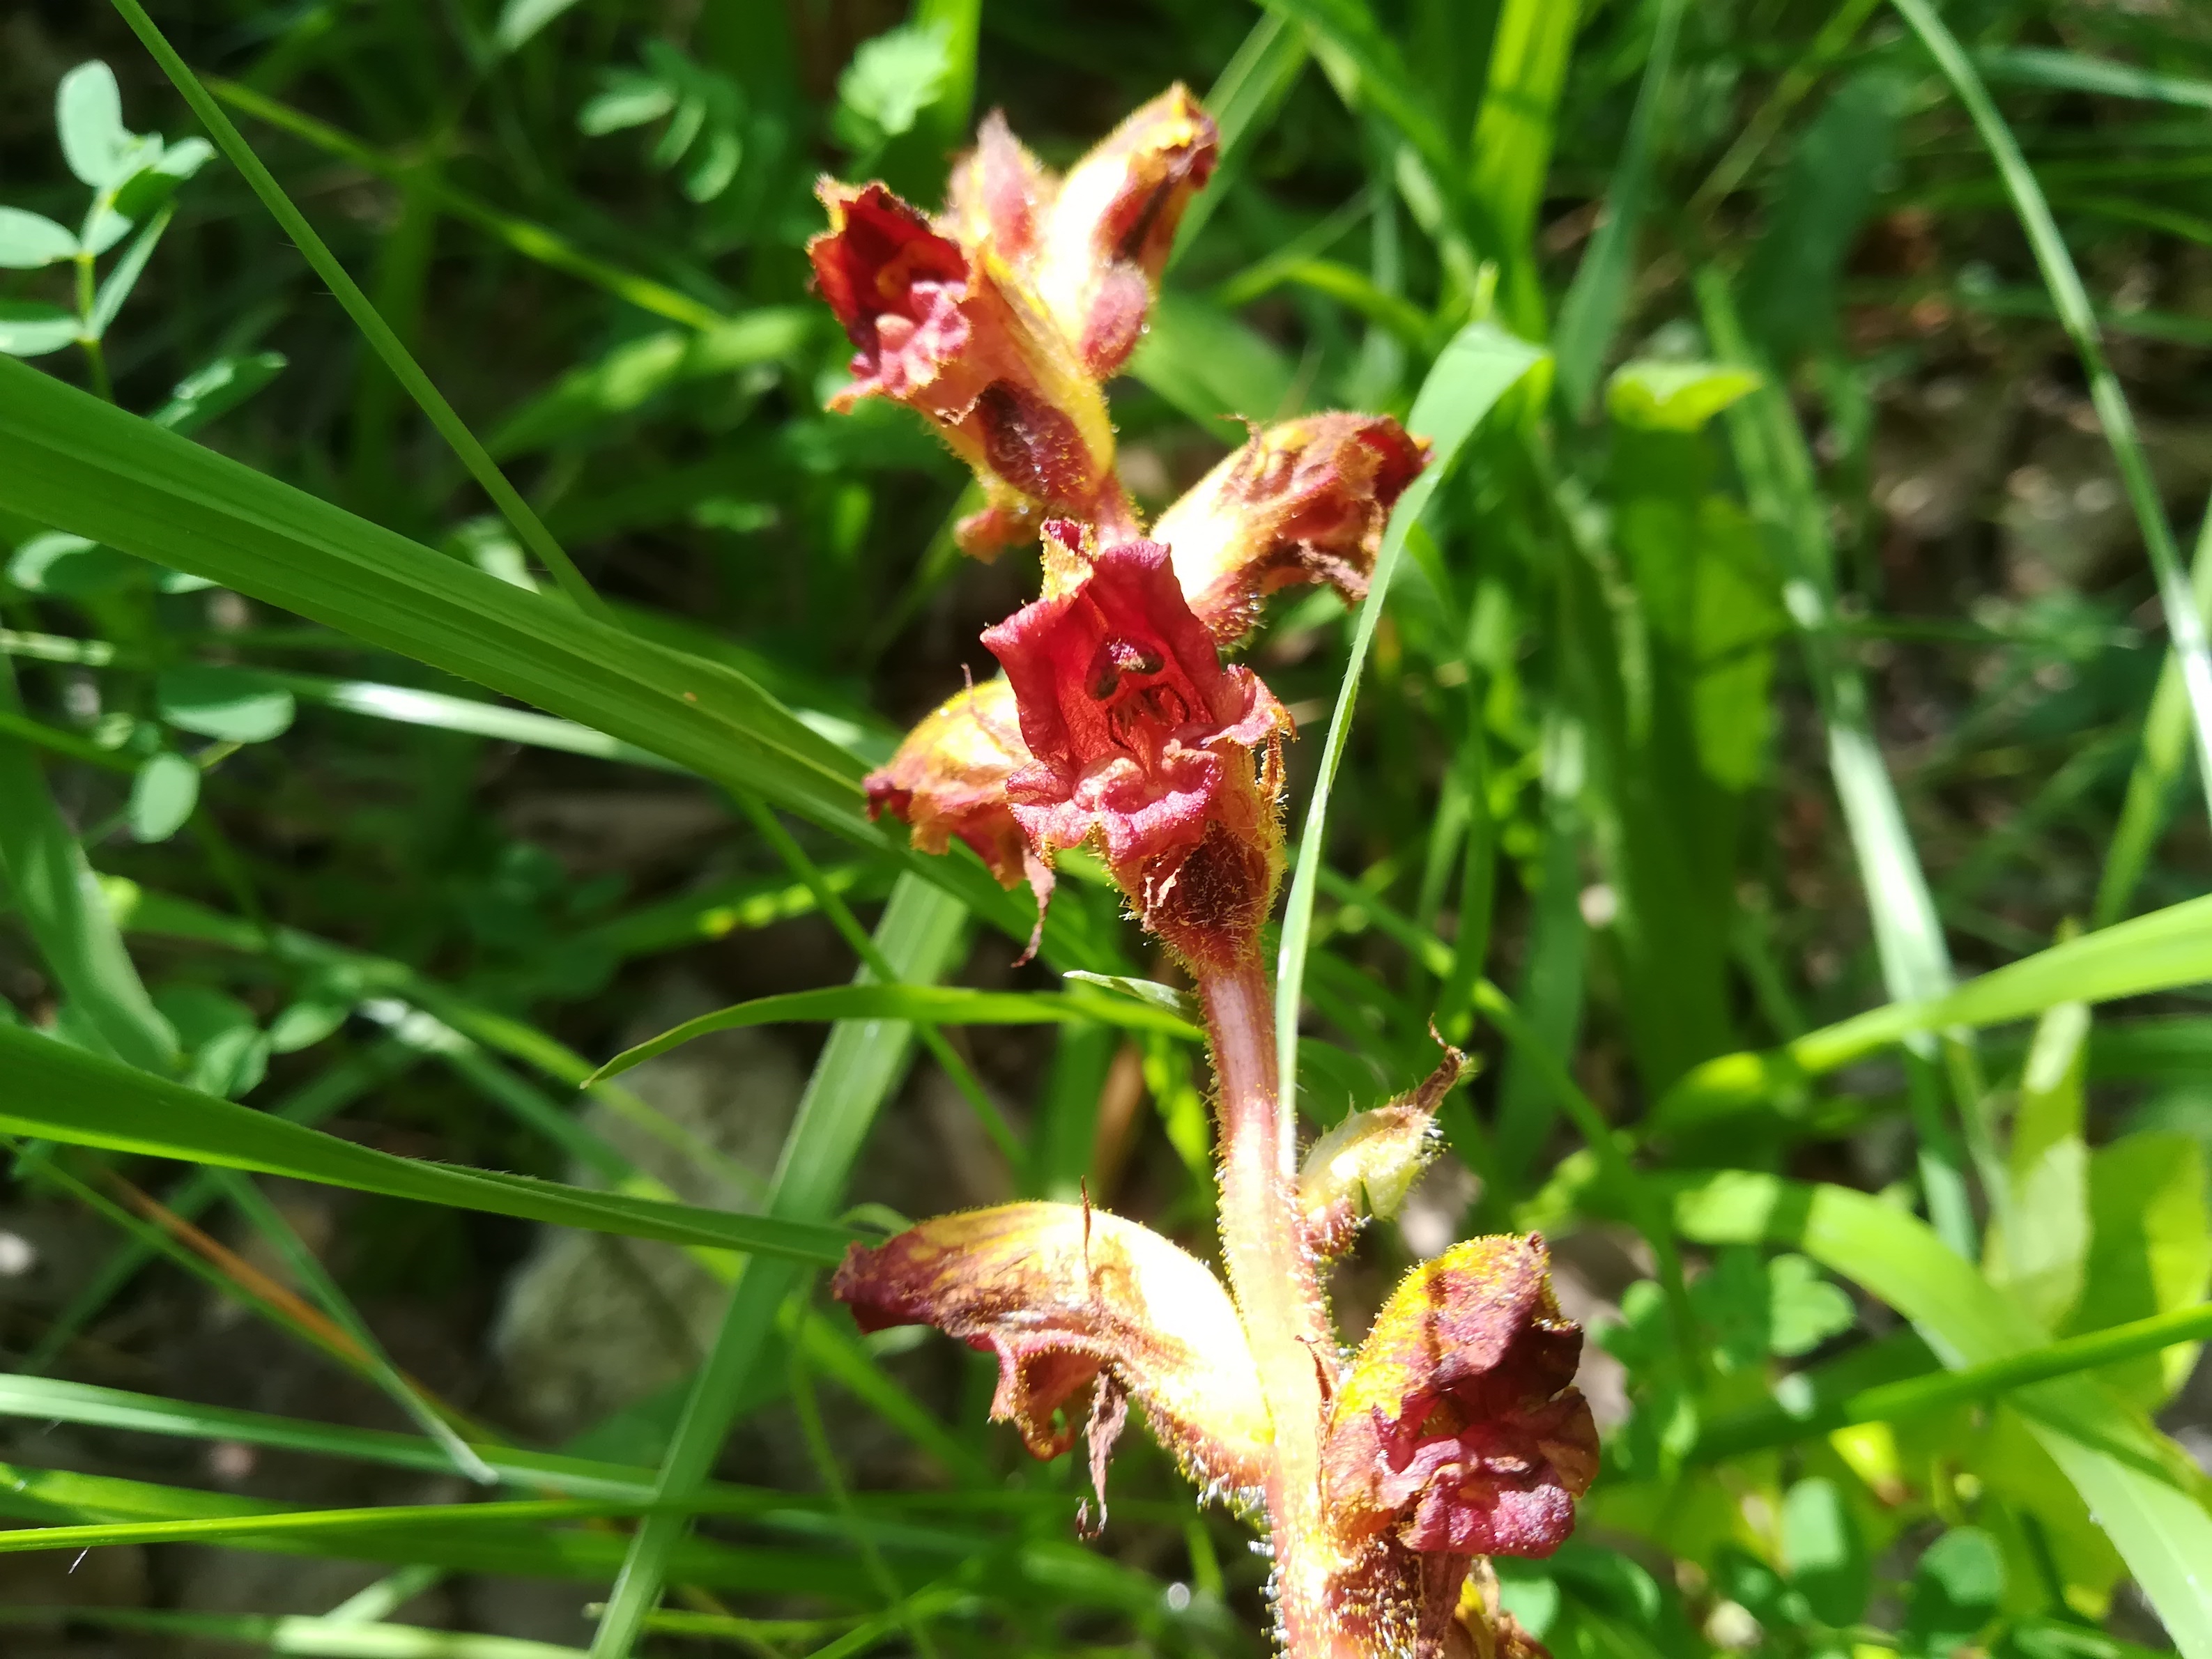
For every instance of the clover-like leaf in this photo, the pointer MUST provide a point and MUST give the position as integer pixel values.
(1063, 1293)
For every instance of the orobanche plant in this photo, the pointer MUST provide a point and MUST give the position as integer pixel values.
(1454, 1432)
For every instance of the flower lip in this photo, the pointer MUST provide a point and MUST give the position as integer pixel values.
(894, 285)
(1458, 1424)
(1127, 711)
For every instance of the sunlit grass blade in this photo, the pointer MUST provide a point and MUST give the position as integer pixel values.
(859, 1066)
(296, 1633)
(942, 1005)
(1510, 155)
(373, 328)
(1805, 1413)
(1598, 300)
(2159, 951)
(60, 1094)
(2184, 621)
(1480, 367)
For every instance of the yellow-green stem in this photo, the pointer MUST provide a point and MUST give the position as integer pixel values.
(1277, 1290)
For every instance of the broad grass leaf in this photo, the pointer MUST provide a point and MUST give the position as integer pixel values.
(58, 1093)
(2150, 1251)
(2143, 1489)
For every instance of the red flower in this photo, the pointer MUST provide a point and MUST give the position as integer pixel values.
(1458, 1426)
(1303, 502)
(946, 330)
(1144, 745)
(1068, 1296)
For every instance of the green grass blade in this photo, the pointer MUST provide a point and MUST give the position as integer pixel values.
(308, 1270)
(62, 905)
(296, 1633)
(2155, 780)
(2073, 71)
(329, 1092)
(1511, 152)
(2184, 620)
(1243, 103)
(2130, 1477)
(365, 316)
(1803, 1416)
(861, 1065)
(1385, 85)
(1598, 300)
(942, 1005)
(2159, 951)
(1480, 367)
(60, 1094)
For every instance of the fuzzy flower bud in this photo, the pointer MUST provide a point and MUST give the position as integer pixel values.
(1302, 501)
(1145, 745)
(1107, 236)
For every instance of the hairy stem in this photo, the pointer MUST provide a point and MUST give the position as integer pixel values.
(1278, 1290)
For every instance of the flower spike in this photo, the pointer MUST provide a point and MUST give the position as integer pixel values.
(1062, 1293)
(1302, 501)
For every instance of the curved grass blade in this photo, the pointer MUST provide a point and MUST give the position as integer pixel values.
(1243, 104)
(1481, 366)
(366, 317)
(2155, 952)
(940, 1004)
(2184, 621)
(2135, 1482)
(60, 1094)
(67, 914)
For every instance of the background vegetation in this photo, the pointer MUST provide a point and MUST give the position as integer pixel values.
(1799, 634)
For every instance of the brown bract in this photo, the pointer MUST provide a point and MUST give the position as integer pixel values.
(947, 329)
(1457, 1429)
(1144, 745)
(1306, 500)
(949, 778)
(1061, 1293)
